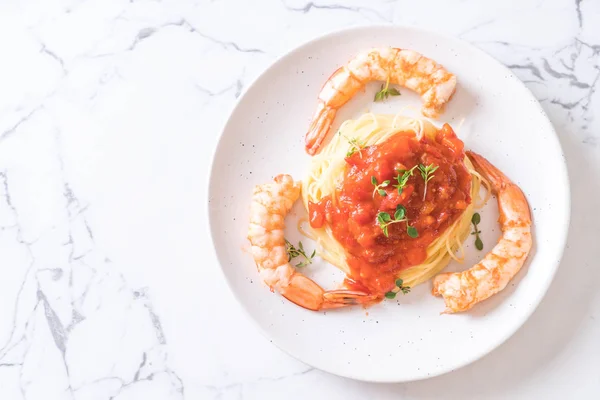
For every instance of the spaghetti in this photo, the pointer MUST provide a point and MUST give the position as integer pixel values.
(350, 245)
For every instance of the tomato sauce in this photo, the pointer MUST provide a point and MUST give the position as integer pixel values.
(374, 258)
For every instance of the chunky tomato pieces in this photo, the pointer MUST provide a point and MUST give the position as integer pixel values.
(374, 258)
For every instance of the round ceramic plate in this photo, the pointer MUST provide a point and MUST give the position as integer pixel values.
(406, 338)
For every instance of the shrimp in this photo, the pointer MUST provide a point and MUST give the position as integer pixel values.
(270, 204)
(462, 290)
(403, 67)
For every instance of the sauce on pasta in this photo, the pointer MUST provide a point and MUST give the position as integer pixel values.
(374, 258)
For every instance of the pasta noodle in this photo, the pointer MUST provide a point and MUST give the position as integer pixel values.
(326, 173)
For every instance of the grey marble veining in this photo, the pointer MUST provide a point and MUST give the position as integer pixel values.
(109, 288)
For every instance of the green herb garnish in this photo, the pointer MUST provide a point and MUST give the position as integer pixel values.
(399, 288)
(427, 175)
(412, 231)
(355, 145)
(294, 252)
(386, 91)
(402, 178)
(385, 220)
(379, 187)
(476, 219)
(399, 285)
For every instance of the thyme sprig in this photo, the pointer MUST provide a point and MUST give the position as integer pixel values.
(384, 220)
(386, 91)
(399, 288)
(427, 175)
(294, 252)
(476, 219)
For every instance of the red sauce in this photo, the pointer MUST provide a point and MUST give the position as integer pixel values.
(374, 259)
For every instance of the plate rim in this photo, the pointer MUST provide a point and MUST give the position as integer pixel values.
(562, 240)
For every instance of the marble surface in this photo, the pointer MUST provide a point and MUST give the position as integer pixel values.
(109, 111)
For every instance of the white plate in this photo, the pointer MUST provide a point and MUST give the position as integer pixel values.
(404, 339)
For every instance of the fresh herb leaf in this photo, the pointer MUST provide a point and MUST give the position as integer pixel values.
(294, 252)
(355, 145)
(412, 232)
(384, 217)
(399, 288)
(427, 175)
(400, 212)
(385, 220)
(390, 295)
(386, 91)
(378, 187)
(476, 219)
(402, 178)
(478, 243)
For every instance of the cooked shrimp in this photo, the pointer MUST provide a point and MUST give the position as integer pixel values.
(402, 67)
(462, 290)
(270, 204)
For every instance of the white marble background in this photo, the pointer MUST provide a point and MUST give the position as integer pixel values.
(109, 111)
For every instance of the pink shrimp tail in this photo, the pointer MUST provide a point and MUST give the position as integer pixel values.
(306, 293)
(496, 178)
(319, 128)
(343, 298)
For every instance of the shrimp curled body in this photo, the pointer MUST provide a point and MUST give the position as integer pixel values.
(463, 290)
(270, 204)
(403, 67)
